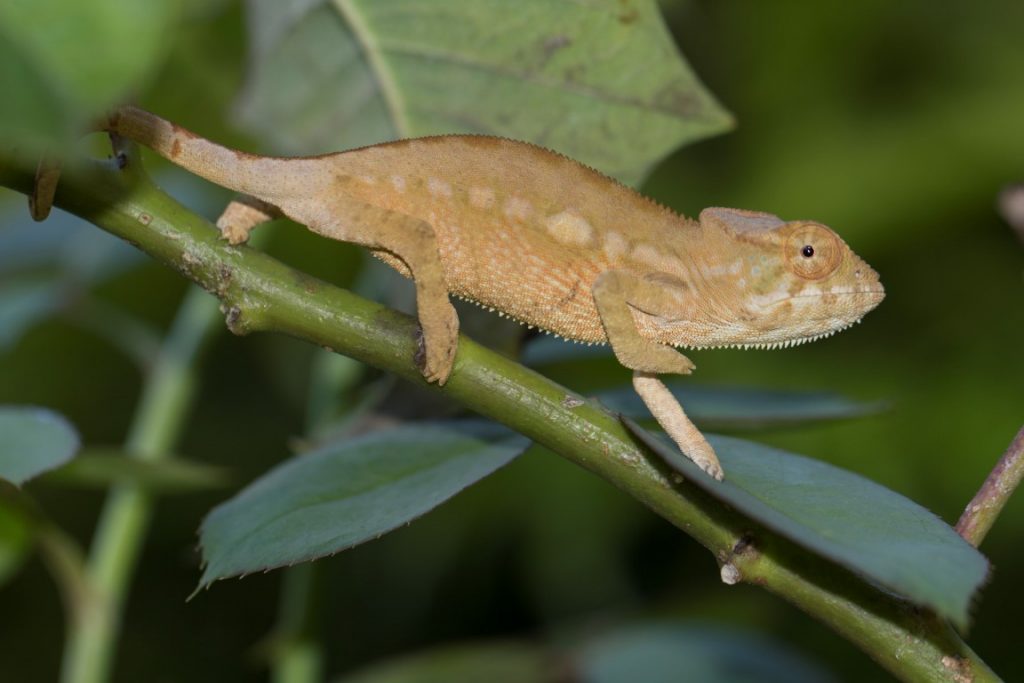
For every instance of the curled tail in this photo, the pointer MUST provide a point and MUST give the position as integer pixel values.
(263, 177)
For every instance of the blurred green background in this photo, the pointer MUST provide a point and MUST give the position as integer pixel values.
(896, 124)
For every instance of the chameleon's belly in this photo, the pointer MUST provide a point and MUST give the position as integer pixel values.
(531, 283)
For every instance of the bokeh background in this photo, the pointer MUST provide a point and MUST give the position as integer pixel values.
(897, 124)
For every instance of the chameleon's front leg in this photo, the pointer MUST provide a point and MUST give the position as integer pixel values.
(615, 292)
(242, 216)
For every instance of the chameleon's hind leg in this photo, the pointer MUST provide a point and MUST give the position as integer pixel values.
(413, 245)
(616, 293)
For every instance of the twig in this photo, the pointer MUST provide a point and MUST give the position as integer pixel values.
(262, 294)
(983, 510)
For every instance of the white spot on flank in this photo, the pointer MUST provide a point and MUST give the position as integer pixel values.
(438, 187)
(398, 182)
(518, 208)
(367, 180)
(732, 268)
(614, 246)
(652, 256)
(481, 197)
(569, 228)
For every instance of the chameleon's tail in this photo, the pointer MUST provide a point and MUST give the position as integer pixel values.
(226, 167)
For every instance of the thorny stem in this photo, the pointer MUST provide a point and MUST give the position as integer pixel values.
(262, 294)
(983, 510)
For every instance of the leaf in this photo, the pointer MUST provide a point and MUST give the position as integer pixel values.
(349, 492)
(32, 441)
(23, 305)
(875, 532)
(600, 81)
(744, 407)
(68, 61)
(65, 242)
(494, 662)
(670, 652)
(102, 468)
(547, 349)
(15, 540)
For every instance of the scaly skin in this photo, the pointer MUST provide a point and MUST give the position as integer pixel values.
(551, 243)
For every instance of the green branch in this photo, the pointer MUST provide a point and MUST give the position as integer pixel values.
(259, 293)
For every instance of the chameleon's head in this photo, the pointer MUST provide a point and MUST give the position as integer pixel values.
(790, 282)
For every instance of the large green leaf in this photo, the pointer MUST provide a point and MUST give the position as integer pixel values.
(494, 662)
(62, 62)
(744, 407)
(881, 535)
(348, 492)
(671, 652)
(601, 81)
(32, 441)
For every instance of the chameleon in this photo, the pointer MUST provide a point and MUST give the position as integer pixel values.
(549, 242)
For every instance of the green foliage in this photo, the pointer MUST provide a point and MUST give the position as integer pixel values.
(840, 122)
(744, 407)
(23, 304)
(15, 539)
(102, 468)
(601, 82)
(654, 652)
(69, 61)
(667, 652)
(349, 492)
(873, 531)
(501, 662)
(32, 441)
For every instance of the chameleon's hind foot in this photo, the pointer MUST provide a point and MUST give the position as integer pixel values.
(669, 414)
(439, 341)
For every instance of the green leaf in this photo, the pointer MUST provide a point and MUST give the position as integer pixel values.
(24, 304)
(548, 349)
(844, 517)
(102, 468)
(15, 540)
(744, 407)
(349, 492)
(600, 81)
(63, 62)
(494, 662)
(66, 243)
(32, 441)
(671, 652)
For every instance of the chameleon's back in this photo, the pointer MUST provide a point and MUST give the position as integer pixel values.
(520, 228)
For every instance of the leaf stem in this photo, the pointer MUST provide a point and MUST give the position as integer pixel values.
(159, 418)
(983, 510)
(260, 293)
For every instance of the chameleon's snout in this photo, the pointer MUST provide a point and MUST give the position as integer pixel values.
(868, 282)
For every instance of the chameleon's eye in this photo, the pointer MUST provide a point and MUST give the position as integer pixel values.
(812, 251)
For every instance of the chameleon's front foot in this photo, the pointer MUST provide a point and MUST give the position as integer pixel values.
(669, 414)
(438, 343)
